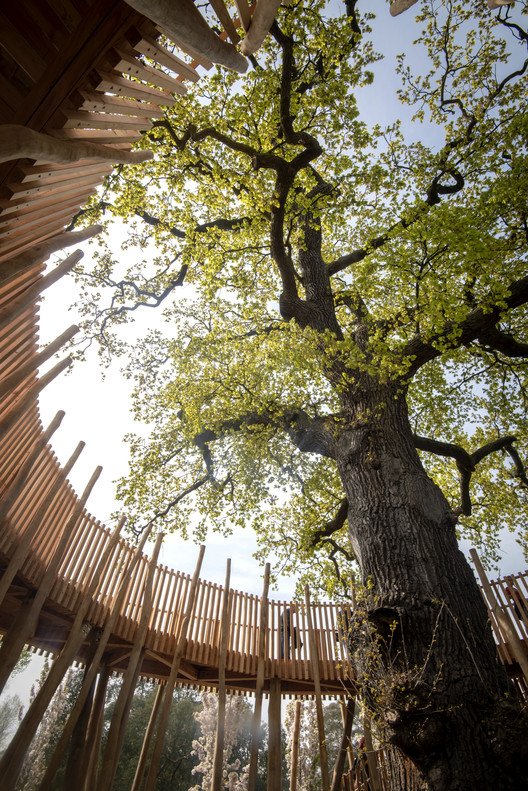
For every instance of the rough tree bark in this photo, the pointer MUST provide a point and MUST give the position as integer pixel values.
(443, 697)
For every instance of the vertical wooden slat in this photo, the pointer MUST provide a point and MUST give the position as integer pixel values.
(218, 758)
(259, 684)
(169, 686)
(295, 746)
(314, 654)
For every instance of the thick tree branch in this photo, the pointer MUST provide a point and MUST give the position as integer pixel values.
(310, 435)
(466, 462)
(478, 321)
(333, 525)
(502, 342)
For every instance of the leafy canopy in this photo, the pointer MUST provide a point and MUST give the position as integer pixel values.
(297, 246)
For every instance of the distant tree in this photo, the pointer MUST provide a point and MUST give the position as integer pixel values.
(48, 733)
(10, 713)
(236, 756)
(177, 761)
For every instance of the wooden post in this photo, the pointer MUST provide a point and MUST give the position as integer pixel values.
(89, 760)
(350, 751)
(72, 777)
(24, 541)
(502, 617)
(259, 684)
(374, 776)
(12, 759)
(21, 404)
(345, 743)
(171, 681)
(116, 732)
(42, 252)
(114, 612)
(26, 619)
(218, 760)
(314, 654)
(274, 736)
(16, 750)
(11, 495)
(10, 384)
(294, 768)
(147, 740)
(29, 296)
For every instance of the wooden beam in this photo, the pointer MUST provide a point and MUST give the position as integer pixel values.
(218, 758)
(294, 767)
(116, 733)
(26, 620)
(11, 383)
(274, 782)
(259, 684)
(24, 541)
(147, 740)
(12, 493)
(502, 617)
(124, 576)
(339, 768)
(165, 708)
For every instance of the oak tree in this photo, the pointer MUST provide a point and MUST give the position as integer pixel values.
(343, 360)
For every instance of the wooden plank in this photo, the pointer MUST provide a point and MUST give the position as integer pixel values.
(152, 49)
(87, 120)
(92, 101)
(127, 64)
(17, 46)
(225, 19)
(42, 193)
(113, 82)
(103, 136)
(198, 58)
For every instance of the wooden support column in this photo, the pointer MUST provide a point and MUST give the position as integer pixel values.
(147, 740)
(339, 768)
(26, 619)
(350, 750)
(12, 382)
(89, 761)
(274, 736)
(21, 404)
(30, 295)
(294, 768)
(502, 617)
(259, 684)
(114, 612)
(218, 760)
(374, 776)
(12, 759)
(116, 732)
(165, 707)
(314, 654)
(12, 494)
(24, 541)
(72, 776)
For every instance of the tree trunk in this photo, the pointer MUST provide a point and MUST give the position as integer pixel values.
(432, 675)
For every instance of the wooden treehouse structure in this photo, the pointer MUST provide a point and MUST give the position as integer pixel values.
(80, 81)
